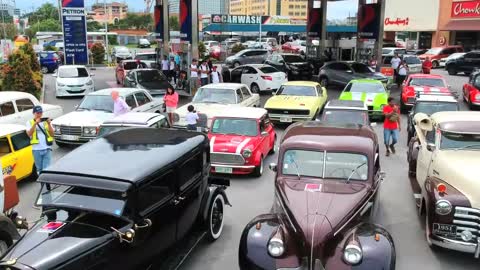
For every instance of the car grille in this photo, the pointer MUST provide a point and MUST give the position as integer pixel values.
(293, 112)
(68, 130)
(234, 159)
(467, 219)
(80, 85)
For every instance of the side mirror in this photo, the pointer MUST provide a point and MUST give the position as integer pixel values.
(430, 147)
(273, 167)
(76, 106)
(264, 134)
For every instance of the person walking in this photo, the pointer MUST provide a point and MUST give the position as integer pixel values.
(194, 77)
(395, 62)
(427, 66)
(165, 66)
(41, 133)
(391, 125)
(119, 105)
(173, 70)
(204, 73)
(216, 76)
(402, 73)
(191, 118)
(171, 102)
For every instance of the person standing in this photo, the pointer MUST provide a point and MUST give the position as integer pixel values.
(119, 105)
(165, 66)
(41, 132)
(193, 77)
(171, 102)
(427, 66)
(391, 125)
(402, 72)
(395, 62)
(204, 73)
(216, 76)
(191, 118)
(172, 70)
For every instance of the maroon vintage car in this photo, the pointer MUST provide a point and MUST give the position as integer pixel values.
(326, 186)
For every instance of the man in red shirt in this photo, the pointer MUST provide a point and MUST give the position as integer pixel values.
(427, 66)
(391, 125)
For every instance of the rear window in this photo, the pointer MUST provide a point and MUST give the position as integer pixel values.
(293, 58)
(72, 72)
(145, 57)
(412, 60)
(133, 65)
(267, 70)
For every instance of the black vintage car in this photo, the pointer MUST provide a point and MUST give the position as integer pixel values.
(294, 65)
(119, 201)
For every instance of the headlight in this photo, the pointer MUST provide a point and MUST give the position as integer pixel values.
(60, 84)
(56, 129)
(276, 247)
(247, 153)
(90, 82)
(477, 96)
(90, 131)
(443, 207)
(352, 254)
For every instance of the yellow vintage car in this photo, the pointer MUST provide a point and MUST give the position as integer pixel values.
(296, 101)
(16, 152)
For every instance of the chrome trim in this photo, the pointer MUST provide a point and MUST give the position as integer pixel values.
(233, 166)
(468, 223)
(466, 216)
(219, 154)
(476, 211)
(457, 245)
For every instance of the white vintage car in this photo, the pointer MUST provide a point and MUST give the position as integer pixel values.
(215, 98)
(82, 125)
(16, 108)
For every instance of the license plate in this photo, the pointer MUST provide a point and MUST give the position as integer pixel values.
(223, 170)
(285, 119)
(444, 229)
(70, 137)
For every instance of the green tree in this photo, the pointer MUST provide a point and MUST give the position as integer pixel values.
(44, 12)
(98, 53)
(237, 47)
(173, 23)
(94, 26)
(50, 25)
(202, 50)
(17, 75)
(30, 52)
(10, 30)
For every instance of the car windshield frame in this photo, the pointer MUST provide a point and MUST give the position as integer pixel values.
(368, 86)
(68, 72)
(298, 90)
(236, 128)
(424, 82)
(211, 92)
(447, 137)
(345, 116)
(418, 106)
(108, 107)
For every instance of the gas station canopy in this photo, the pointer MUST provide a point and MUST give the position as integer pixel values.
(226, 27)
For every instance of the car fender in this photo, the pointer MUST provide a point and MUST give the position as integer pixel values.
(8, 231)
(211, 192)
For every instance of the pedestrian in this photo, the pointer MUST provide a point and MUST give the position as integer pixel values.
(204, 73)
(210, 69)
(41, 133)
(402, 72)
(427, 66)
(171, 102)
(216, 76)
(119, 105)
(172, 70)
(165, 67)
(139, 64)
(193, 77)
(182, 82)
(391, 125)
(191, 118)
(395, 62)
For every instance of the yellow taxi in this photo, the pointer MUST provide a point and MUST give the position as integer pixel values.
(16, 152)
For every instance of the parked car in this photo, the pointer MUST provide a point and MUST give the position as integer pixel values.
(133, 120)
(291, 47)
(152, 80)
(471, 90)
(125, 66)
(120, 53)
(210, 44)
(57, 43)
(81, 125)
(252, 44)
(16, 152)
(437, 53)
(73, 81)
(149, 58)
(294, 65)
(416, 52)
(247, 56)
(446, 171)
(414, 64)
(423, 83)
(391, 51)
(157, 193)
(296, 101)
(345, 112)
(466, 63)
(143, 43)
(259, 77)
(341, 73)
(240, 140)
(212, 99)
(265, 42)
(49, 61)
(326, 188)
(370, 91)
(444, 60)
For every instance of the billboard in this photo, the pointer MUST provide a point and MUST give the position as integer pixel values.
(158, 19)
(74, 32)
(314, 21)
(368, 26)
(186, 20)
(73, 3)
(466, 9)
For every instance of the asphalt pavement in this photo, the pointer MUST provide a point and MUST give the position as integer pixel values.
(253, 196)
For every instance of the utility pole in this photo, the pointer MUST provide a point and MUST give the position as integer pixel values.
(106, 29)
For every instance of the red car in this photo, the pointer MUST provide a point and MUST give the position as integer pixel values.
(426, 83)
(291, 47)
(240, 139)
(437, 53)
(124, 67)
(471, 90)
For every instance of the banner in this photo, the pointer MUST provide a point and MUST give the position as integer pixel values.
(186, 20)
(466, 9)
(368, 26)
(157, 15)
(314, 23)
(74, 32)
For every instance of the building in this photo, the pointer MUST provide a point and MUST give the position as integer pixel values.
(292, 8)
(7, 7)
(17, 12)
(115, 11)
(205, 7)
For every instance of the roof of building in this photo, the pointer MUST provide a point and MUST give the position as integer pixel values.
(133, 118)
(242, 112)
(225, 27)
(6, 129)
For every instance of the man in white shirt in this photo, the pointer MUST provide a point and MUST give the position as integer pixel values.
(204, 73)
(395, 62)
(216, 76)
(193, 77)
(165, 66)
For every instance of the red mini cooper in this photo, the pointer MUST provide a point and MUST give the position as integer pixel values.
(240, 139)
(471, 90)
(424, 83)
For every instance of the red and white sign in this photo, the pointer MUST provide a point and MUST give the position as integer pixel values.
(466, 9)
(396, 21)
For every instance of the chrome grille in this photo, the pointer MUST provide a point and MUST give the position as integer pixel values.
(288, 111)
(225, 158)
(68, 130)
(467, 219)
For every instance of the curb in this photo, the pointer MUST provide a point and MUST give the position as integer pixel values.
(42, 94)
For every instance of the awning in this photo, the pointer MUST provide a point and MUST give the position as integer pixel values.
(274, 28)
(462, 25)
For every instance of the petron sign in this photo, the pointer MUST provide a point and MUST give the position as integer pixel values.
(75, 32)
(466, 9)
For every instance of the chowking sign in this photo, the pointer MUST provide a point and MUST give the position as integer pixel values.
(236, 19)
(466, 9)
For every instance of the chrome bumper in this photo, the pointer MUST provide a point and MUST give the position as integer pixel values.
(233, 166)
(277, 117)
(457, 245)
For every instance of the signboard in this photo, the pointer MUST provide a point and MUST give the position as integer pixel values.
(466, 9)
(314, 19)
(74, 32)
(237, 19)
(423, 17)
(368, 25)
(157, 15)
(186, 20)
(396, 21)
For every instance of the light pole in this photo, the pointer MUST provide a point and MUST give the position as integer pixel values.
(106, 29)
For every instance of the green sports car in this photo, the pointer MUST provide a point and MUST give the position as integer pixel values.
(370, 91)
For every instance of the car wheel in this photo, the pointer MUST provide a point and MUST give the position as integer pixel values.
(324, 81)
(44, 70)
(435, 64)
(259, 169)
(451, 71)
(255, 89)
(236, 64)
(403, 108)
(3, 247)
(215, 217)
(272, 151)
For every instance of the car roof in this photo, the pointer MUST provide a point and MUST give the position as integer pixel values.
(11, 95)
(346, 104)
(301, 83)
(128, 155)
(256, 65)
(242, 112)
(420, 75)
(458, 121)
(6, 129)
(108, 91)
(224, 85)
(141, 53)
(133, 118)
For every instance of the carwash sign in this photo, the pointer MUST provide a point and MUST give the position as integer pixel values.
(466, 9)
(236, 19)
(74, 32)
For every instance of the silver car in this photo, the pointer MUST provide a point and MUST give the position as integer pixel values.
(121, 53)
(248, 56)
(414, 64)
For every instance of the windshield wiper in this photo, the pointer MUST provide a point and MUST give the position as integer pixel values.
(296, 168)
(466, 146)
(355, 170)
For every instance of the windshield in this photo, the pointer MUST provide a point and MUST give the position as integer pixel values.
(268, 70)
(297, 90)
(145, 57)
(457, 141)
(212, 95)
(455, 55)
(293, 58)
(246, 127)
(412, 60)
(430, 108)
(149, 76)
(345, 117)
(133, 65)
(365, 88)
(96, 103)
(63, 196)
(104, 130)
(338, 165)
(72, 73)
(434, 51)
(387, 51)
(427, 82)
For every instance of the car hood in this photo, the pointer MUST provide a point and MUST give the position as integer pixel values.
(74, 81)
(231, 143)
(83, 118)
(368, 98)
(289, 102)
(209, 109)
(459, 169)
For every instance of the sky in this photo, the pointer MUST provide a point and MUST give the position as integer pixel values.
(336, 10)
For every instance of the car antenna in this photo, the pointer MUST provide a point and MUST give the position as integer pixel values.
(354, 170)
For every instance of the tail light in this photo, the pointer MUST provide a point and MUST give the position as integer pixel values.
(267, 78)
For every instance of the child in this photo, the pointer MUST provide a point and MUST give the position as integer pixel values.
(191, 118)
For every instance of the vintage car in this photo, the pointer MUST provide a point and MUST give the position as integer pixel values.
(214, 98)
(471, 90)
(16, 152)
(130, 194)
(133, 119)
(370, 91)
(327, 180)
(345, 112)
(423, 83)
(296, 101)
(152, 80)
(448, 195)
(81, 125)
(240, 140)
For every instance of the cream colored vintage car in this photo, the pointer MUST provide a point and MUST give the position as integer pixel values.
(447, 175)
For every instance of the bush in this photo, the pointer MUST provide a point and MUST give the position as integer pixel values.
(98, 53)
(237, 47)
(30, 52)
(201, 50)
(17, 75)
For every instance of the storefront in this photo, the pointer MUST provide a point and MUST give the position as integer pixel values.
(459, 24)
(411, 23)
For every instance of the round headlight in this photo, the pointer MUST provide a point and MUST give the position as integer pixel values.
(90, 82)
(276, 247)
(352, 254)
(247, 153)
(443, 207)
(56, 129)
